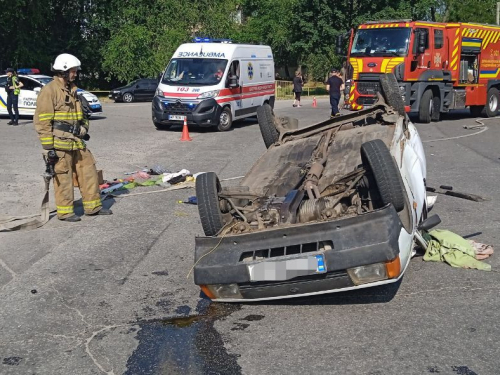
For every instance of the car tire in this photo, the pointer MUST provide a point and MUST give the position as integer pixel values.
(207, 189)
(492, 103)
(128, 97)
(476, 110)
(225, 120)
(160, 126)
(268, 130)
(392, 95)
(378, 161)
(426, 107)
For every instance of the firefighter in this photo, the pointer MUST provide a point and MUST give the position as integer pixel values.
(62, 127)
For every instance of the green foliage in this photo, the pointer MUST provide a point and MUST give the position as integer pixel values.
(120, 40)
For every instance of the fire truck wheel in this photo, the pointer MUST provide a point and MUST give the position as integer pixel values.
(436, 109)
(476, 110)
(392, 95)
(426, 107)
(492, 100)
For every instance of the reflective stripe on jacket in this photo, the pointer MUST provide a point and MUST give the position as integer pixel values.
(57, 102)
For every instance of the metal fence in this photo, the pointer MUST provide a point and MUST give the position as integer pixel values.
(284, 90)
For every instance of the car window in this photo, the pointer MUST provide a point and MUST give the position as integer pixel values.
(3, 81)
(29, 84)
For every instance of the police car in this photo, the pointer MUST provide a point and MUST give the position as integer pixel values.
(33, 83)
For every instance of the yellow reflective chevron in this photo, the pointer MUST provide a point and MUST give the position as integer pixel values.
(60, 116)
(68, 144)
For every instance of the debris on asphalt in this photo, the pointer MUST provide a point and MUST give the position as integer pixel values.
(191, 200)
(448, 247)
(448, 190)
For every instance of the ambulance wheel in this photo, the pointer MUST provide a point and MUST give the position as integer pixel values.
(392, 95)
(426, 107)
(269, 132)
(128, 97)
(492, 101)
(225, 120)
(207, 194)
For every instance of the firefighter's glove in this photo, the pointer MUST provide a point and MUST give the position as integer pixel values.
(45, 153)
(83, 132)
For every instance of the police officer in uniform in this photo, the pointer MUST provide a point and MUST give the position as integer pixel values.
(61, 127)
(13, 88)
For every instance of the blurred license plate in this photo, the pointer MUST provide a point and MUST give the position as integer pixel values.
(95, 106)
(176, 117)
(287, 269)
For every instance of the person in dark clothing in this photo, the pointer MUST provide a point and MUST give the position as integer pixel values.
(298, 82)
(334, 86)
(13, 89)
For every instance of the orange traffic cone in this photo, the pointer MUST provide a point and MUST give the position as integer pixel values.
(185, 131)
(315, 104)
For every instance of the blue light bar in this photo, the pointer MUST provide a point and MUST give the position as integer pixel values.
(199, 39)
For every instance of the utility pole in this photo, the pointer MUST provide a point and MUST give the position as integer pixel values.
(498, 13)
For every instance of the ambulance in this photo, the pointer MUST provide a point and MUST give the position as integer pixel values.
(211, 83)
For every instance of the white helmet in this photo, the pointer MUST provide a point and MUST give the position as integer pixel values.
(65, 62)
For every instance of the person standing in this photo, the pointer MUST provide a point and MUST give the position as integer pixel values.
(298, 82)
(13, 88)
(334, 86)
(62, 128)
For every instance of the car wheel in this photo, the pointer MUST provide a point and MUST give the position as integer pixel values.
(426, 107)
(491, 107)
(207, 189)
(128, 97)
(476, 110)
(225, 120)
(378, 161)
(391, 92)
(160, 126)
(268, 130)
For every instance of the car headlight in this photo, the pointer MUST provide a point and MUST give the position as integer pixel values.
(217, 291)
(159, 93)
(116, 91)
(209, 94)
(375, 272)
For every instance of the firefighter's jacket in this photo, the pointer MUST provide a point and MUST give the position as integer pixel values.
(57, 102)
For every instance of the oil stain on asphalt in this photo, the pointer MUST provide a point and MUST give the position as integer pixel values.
(186, 345)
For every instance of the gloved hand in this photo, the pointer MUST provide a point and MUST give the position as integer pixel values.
(83, 131)
(45, 153)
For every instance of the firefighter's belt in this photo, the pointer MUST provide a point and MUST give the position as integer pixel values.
(73, 129)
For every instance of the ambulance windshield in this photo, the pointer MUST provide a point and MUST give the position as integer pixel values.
(194, 72)
(390, 41)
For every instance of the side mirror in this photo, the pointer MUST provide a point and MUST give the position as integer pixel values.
(233, 82)
(340, 44)
(429, 223)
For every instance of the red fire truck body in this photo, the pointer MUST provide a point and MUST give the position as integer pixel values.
(439, 66)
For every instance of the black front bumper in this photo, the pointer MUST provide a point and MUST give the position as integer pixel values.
(203, 113)
(366, 239)
(115, 96)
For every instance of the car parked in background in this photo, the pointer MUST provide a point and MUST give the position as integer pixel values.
(140, 89)
(32, 84)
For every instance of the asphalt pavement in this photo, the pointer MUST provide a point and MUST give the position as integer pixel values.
(112, 294)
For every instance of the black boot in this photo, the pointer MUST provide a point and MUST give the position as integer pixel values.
(102, 211)
(10, 123)
(71, 219)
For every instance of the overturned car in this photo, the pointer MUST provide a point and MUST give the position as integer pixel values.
(330, 207)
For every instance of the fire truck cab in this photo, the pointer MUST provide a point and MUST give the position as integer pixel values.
(439, 66)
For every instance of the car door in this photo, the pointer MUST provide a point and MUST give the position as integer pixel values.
(28, 96)
(141, 89)
(3, 95)
(152, 85)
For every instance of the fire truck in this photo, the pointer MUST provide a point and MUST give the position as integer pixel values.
(439, 66)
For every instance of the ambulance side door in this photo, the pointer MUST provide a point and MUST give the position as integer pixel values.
(235, 93)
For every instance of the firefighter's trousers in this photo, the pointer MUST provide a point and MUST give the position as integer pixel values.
(83, 164)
